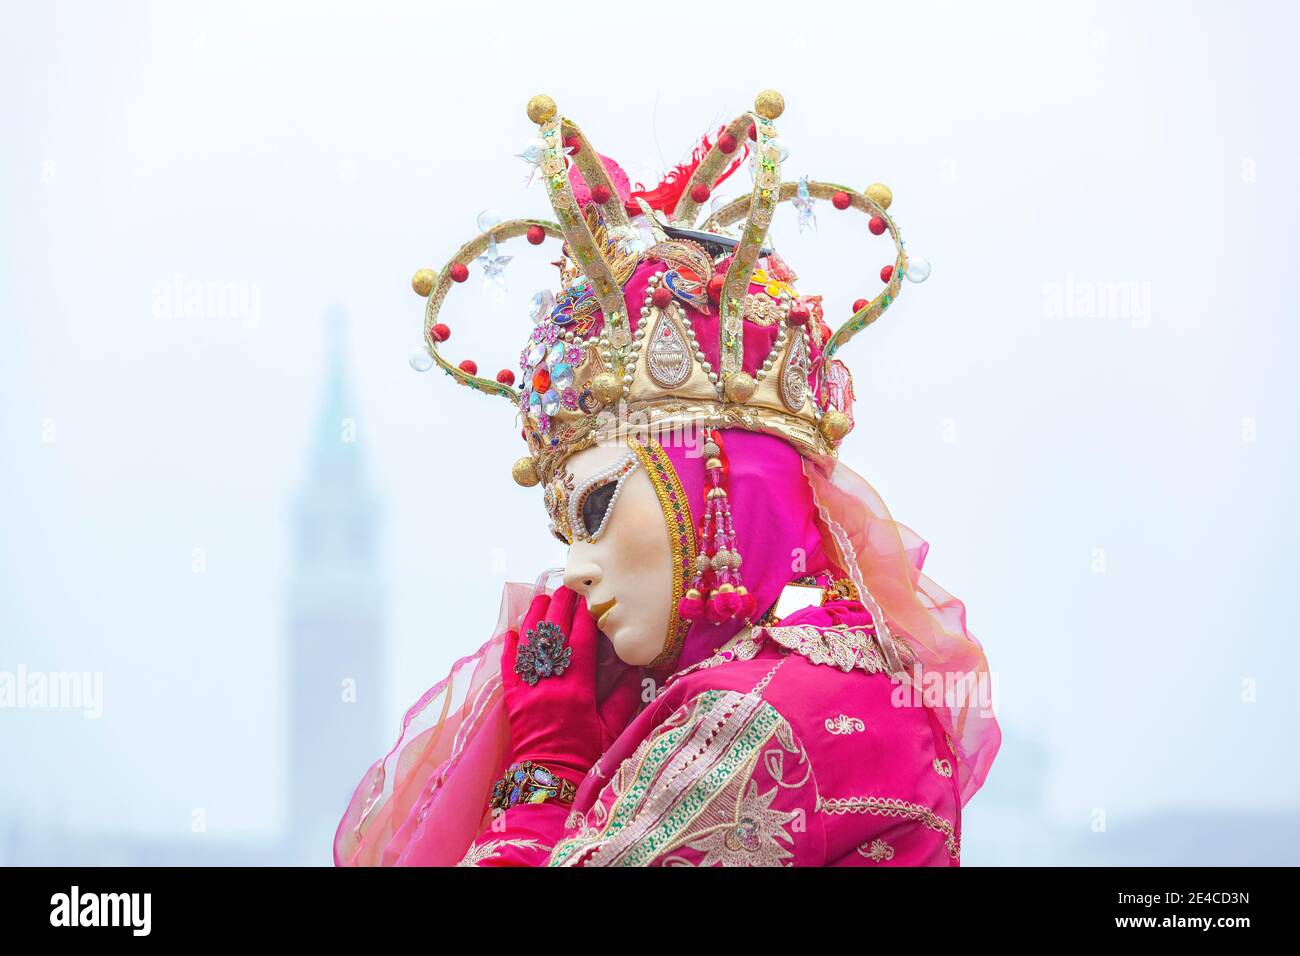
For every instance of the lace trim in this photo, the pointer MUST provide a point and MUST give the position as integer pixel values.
(893, 807)
(840, 646)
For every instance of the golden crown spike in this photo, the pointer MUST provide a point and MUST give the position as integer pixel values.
(650, 329)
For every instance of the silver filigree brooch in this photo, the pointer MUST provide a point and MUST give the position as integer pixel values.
(544, 655)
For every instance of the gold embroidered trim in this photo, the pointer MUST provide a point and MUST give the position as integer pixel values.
(681, 537)
(892, 807)
(840, 646)
(577, 233)
(762, 202)
(660, 416)
(714, 162)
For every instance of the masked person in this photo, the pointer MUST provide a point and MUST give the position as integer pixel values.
(745, 664)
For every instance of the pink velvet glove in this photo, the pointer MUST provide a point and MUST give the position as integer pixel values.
(557, 721)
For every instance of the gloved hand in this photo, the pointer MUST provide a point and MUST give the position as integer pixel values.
(555, 720)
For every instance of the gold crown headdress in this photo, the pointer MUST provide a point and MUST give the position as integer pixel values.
(663, 324)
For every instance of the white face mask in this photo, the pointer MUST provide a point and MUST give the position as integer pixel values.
(620, 559)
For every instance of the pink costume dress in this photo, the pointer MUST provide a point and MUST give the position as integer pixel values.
(849, 733)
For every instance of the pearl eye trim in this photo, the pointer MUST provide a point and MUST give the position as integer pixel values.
(618, 472)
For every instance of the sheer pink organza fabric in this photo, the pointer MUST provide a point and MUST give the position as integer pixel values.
(884, 559)
(453, 745)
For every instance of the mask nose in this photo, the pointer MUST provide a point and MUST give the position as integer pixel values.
(581, 575)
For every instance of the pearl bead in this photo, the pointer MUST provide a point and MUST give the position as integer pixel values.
(918, 270)
(420, 359)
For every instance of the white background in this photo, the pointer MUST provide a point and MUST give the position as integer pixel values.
(1106, 488)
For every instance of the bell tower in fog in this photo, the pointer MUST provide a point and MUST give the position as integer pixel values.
(335, 621)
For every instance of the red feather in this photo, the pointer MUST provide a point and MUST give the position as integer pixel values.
(666, 195)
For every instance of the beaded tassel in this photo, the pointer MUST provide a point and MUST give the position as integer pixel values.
(717, 566)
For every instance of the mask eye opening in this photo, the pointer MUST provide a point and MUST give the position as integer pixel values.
(613, 476)
(593, 523)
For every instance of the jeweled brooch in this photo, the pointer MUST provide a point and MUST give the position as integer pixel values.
(544, 655)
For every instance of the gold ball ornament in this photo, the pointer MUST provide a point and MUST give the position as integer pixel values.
(880, 194)
(541, 109)
(606, 388)
(740, 386)
(422, 282)
(769, 104)
(524, 472)
(835, 425)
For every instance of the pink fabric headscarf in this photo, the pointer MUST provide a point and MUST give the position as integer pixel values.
(797, 516)
(775, 520)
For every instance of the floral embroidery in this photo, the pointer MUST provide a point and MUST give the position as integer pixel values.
(480, 852)
(893, 807)
(878, 851)
(844, 724)
(942, 767)
(754, 836)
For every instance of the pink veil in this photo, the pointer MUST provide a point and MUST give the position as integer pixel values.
(453, 744)
(883, 558)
